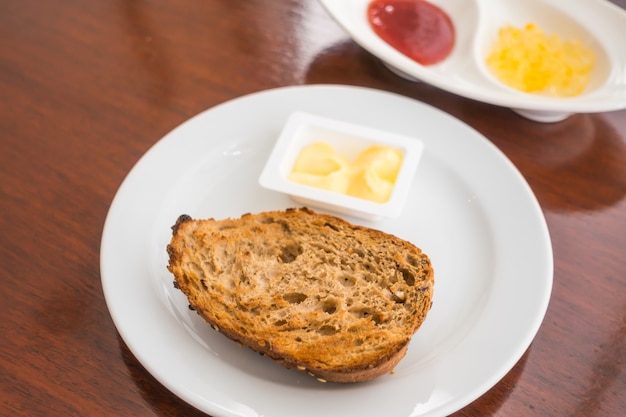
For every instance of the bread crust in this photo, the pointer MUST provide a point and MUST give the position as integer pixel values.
(311, 291)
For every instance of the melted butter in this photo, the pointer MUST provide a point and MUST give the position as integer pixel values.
(371, 176)
(529, 60)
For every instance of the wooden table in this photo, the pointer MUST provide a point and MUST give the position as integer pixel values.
(86, 87)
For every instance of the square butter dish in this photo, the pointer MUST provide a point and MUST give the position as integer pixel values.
(347, 139)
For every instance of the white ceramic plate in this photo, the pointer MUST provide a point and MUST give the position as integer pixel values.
(470, 210)
(599, 24)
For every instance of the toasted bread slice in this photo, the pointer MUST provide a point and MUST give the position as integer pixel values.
(309, 290)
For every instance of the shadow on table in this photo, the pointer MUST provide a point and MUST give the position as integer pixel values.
(162, 401)
(583, 162)
(490, 402)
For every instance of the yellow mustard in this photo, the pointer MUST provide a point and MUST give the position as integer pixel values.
(529, 60)
(371, 176)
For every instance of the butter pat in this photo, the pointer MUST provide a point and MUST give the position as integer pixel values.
(371, 176)
(342, 167)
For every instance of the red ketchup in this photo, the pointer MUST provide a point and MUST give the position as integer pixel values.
(417, 28)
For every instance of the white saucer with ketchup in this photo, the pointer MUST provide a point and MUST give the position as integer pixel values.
(598, 24)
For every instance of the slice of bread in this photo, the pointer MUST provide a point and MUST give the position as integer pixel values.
(309, 290)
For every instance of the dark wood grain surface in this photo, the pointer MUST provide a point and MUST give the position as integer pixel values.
(86, 87)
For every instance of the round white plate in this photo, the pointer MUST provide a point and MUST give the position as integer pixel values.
(470, 210)
(598, 24)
